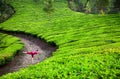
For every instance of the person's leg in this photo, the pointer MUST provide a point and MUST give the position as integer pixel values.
(32, 57)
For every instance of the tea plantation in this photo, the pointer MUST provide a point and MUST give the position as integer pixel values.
(88, 44)
(9, 46)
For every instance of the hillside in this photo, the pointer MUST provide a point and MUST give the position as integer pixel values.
(88, 43)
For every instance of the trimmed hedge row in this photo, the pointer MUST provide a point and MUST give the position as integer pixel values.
(88, 45)
(9, 46)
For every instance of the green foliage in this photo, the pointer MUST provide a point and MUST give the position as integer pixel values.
(48, 6)
(88, 45)
(6, 11)
(8, 48)
(102, 5)
(95, 6)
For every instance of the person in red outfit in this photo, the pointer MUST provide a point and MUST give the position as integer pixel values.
(32, 53)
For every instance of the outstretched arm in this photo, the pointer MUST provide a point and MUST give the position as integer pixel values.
(24, 52)
(38, 52)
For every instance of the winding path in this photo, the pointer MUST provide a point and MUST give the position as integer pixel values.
(22, 60)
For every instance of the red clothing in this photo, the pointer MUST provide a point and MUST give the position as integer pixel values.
(32, 53)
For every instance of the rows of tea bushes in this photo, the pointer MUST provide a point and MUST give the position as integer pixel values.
(88, 45)
(9, 46)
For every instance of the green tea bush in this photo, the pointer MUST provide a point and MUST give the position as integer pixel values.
(88, 45)
(8, 48)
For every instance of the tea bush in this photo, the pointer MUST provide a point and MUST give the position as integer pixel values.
(88, 45)
(9, 46)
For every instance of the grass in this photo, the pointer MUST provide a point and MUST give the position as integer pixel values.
(88, 44)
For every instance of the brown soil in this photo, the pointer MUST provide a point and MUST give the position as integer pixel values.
(23, 60)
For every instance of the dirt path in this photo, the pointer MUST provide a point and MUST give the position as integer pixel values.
(22, 60)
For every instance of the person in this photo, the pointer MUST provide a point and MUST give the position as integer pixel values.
(32, 53)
